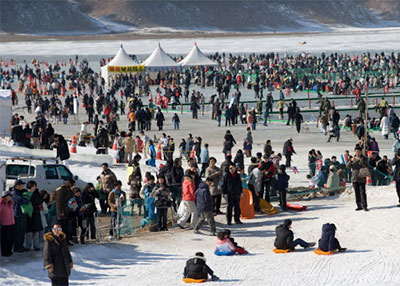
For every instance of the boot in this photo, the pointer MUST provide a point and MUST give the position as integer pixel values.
(75, 239)
(82, 239)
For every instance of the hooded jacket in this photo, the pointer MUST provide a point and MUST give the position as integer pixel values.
(196, 268)
(56, 254)
(327, 241)
(204, 201)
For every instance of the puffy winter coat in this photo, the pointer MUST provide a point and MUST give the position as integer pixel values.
(108, 180)
(113, 199)
(56, 254)
(196, 268)
(188, 190)
(204, 156)
(129, 145)
(356, 165)
(62, 149)
(385, 125)
(204, 201)
(327, 241)
(224, 247)
(19, 200)
(6, 212)
(284, 237)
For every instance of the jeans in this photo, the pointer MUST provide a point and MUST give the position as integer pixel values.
(113, 223)
(265, 185)
(90, 224)
(219, 120)
(300, 242)
(176, 125)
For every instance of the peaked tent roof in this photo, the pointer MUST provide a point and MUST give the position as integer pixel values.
(122, 59)
(159, 60)
(196, 58)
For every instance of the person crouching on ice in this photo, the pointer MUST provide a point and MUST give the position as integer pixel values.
(196, 268)
(284, 237)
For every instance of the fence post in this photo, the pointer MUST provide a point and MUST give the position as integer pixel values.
(202, 109)
(181, 108)
(351, 102)
(394, 100)
(309, 100)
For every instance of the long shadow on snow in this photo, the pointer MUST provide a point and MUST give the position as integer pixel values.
(252, 233)
(384, 207)
(107, 256)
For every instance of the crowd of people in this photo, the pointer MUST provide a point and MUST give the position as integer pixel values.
(69, 215)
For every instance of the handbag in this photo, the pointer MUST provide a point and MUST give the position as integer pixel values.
(364, 172)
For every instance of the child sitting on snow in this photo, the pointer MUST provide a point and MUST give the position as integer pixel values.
(239, 249)
(196, 268)
(328, 242)
(223, 245)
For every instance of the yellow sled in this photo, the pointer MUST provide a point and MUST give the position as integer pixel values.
(267, 208)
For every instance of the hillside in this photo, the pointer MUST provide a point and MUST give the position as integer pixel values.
(94, 16)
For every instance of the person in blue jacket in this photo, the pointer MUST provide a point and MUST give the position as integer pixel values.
(328, 242)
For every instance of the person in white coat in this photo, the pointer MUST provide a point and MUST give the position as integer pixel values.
(385, 126)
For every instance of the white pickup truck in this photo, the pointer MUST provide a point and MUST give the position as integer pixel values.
(48, 176)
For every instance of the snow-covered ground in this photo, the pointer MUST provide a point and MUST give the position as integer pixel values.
(159, 258)
(346, 40)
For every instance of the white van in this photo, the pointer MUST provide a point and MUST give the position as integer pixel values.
(48, 176)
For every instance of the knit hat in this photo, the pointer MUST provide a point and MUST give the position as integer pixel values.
(199, 254)
(18, 182)
(6, 193)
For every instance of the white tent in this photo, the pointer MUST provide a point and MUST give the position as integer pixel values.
(160, 61)
(5, 112)
(196, 58)
(121, 63)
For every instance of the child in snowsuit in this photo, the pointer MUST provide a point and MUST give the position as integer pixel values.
(239, 249)
(196, 268)
(282, 185)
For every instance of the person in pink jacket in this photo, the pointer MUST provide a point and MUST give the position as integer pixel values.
(188, 201)
(223, 245)
(7, 223)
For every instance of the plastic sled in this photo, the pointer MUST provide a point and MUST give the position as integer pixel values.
(191, 280)
(246, 205)
(225, 253)
(320, 252)
(276, 250)
(267, 208)
(296, 207)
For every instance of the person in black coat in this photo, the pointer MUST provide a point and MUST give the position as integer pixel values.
(34, 223)
(160, 119)
(328, 242)
(196, 268)
(62, 147)
(102, 141)
(232, 190)
(56, 256)
(89, 209)
(205, 206)
(298, 119)
(284, 237)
